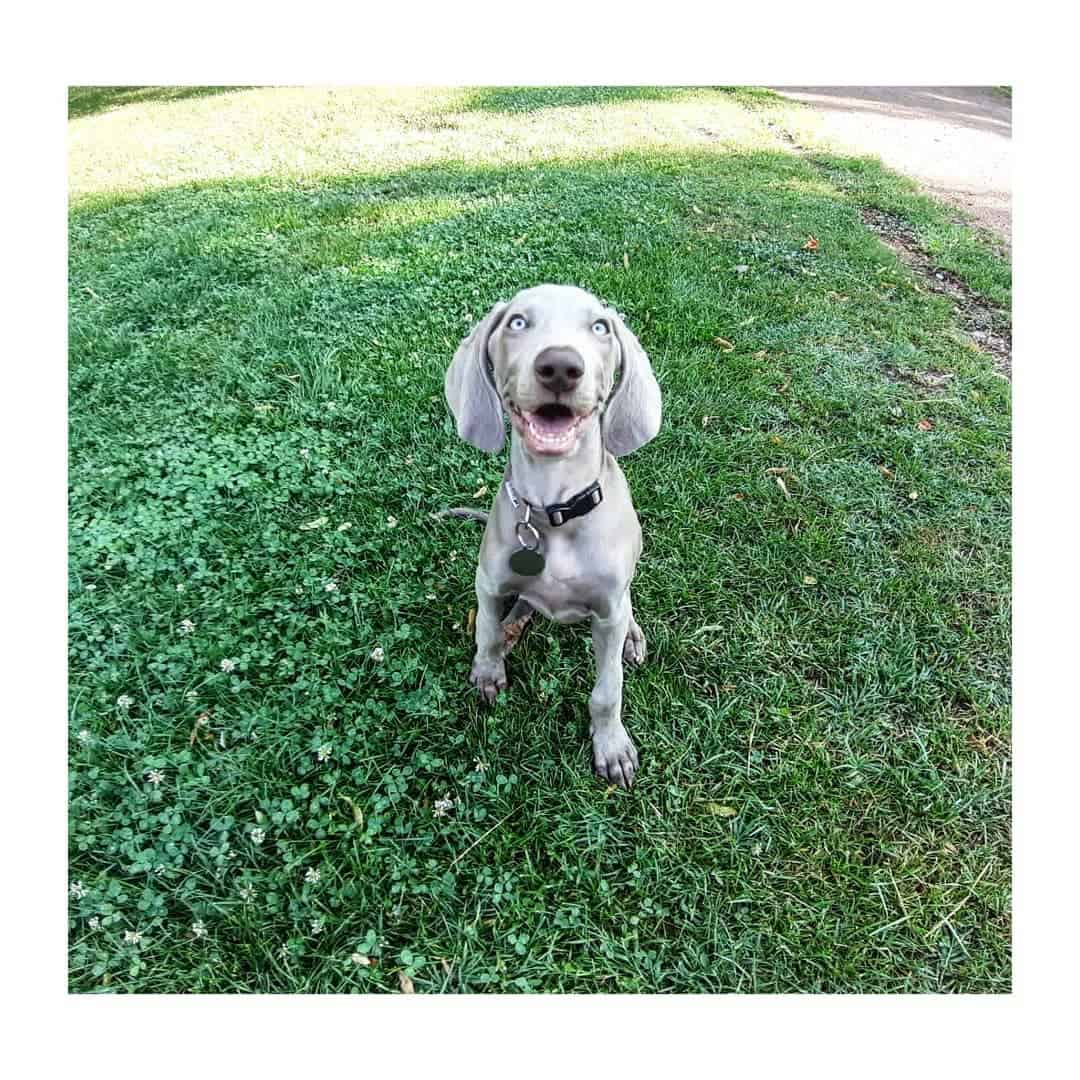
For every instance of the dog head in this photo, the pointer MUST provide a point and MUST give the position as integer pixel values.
(553, 359)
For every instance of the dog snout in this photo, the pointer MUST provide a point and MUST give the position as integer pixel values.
(559, 369)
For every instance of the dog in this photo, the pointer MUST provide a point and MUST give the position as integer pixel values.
(562, 537)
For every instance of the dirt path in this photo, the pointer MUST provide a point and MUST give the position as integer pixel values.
(955, 140)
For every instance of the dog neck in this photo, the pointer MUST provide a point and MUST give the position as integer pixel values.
(546, 479)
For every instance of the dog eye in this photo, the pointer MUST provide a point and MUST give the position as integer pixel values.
(601, 327)
(517, 323)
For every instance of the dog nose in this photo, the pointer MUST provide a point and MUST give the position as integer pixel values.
(559, 369)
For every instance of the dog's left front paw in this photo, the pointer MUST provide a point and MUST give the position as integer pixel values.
(615, 757)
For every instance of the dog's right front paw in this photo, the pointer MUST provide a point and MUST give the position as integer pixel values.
(488, 678)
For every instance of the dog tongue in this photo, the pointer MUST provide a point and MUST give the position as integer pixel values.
(552, 422)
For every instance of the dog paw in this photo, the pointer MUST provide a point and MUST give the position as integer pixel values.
(488, 678)
(615, 757)
(633, 650)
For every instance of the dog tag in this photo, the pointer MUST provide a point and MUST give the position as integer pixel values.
(527, 561)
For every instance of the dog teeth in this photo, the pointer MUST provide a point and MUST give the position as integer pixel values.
(551, 439)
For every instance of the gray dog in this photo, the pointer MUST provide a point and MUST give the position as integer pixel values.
(562, 537)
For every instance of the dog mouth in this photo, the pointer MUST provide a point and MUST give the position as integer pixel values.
(551, 429)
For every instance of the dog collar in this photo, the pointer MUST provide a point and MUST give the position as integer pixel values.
(559, 513)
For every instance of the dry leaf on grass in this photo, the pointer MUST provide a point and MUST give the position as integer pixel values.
(724, 344)
(809, 579)
(782, 486)
(811, 244)
(925, 425)
(720, 810)
(626, 260)
(318, 523)
(481, 493)
(406, 983)
(357, 813)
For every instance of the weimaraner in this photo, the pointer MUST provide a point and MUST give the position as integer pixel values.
(562, 538)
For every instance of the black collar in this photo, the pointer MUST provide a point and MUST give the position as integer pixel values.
(560, 513)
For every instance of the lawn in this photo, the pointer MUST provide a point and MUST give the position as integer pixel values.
(269, 634)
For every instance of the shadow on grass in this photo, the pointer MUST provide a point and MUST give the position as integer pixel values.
(526, 99)
(90, 100)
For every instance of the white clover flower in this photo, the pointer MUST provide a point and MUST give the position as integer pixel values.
(431, 596)
(377, 654)
(479, 766)
(186, 627)
(283, 951)
(331, 405)
(331, 586)
(94, 923)
(228, 665)
(360, 959)
(132, 937)
(247, 893)
(124, 701)
(312, 876)
(344, 526)
(192, 695)
(392, 521)
(198, 928)
(179, 588)
(408, 459)
(84, 736)
(442, 806)
(305, 453)
(155, 776)
(317, 926)
(324, 752)
(257, 835)
(91, 588)
(77, 890)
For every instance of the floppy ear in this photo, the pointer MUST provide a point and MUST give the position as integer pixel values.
(470, 390)
(632, 416)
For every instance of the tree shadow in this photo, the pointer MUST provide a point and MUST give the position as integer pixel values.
(526, 99)
(90, 100)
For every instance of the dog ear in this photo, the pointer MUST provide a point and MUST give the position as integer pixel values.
(470, 388)
(632, 416)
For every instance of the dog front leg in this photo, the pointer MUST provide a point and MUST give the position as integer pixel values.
(614, 755)
(489, 670)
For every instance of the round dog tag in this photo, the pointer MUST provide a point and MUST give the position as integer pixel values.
(527, 561)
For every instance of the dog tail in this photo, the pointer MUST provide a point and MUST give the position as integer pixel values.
(463, 512)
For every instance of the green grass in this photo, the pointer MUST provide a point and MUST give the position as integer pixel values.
(265, 289)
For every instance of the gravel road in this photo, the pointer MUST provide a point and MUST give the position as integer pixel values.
(955, 140)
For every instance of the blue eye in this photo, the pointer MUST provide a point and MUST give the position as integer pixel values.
(601, 327)
(517, 323)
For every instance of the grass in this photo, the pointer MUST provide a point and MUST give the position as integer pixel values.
(265, 289)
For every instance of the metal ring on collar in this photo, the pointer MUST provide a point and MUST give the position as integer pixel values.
(518, 526)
